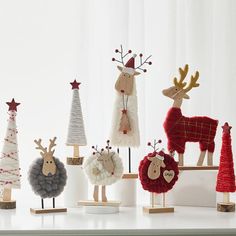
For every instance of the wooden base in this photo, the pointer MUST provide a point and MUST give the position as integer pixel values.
(226, 207)
(47, 210)
(8, 204)
(93, 203)
(198, 167)
(151, 210)
(130, 176)
(74, 161)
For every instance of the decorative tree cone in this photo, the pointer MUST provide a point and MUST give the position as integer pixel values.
(74, 161)
(48, 210)
(152, 210)
(8, 204)
(226, 207)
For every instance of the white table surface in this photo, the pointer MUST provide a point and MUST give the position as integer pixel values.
(132, 221)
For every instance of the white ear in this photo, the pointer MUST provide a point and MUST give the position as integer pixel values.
(186, 96)
(136, 73)
(120, 68)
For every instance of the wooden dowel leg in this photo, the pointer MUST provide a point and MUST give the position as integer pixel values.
(53, 202)
(152, 200)
(6, 194)
(164, 200)
(129, 160)
(226, 197)
(76, 151)
(42, 203)
(104, 197)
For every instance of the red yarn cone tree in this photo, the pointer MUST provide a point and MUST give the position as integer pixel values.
(226, 178)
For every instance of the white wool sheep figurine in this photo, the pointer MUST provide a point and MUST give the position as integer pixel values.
(103, 168)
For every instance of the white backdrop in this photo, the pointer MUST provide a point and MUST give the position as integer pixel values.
(45, 44)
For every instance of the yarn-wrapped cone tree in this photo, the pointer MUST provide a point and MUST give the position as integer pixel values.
(125, 125)
(9, 161)
(226, 177)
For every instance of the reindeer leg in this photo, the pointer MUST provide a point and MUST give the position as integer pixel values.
(181, 159)
(95, 193)
(210, 158)
(201, 158)
(104, 198)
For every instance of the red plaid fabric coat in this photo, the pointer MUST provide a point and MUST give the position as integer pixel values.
(180, 129)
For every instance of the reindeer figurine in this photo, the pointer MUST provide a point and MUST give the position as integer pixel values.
(103, 168)
(47, 176)
(180, 129)
(125, 130)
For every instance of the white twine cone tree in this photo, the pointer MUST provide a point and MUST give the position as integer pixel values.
(76, 137)
(9, 162)
(125, 125)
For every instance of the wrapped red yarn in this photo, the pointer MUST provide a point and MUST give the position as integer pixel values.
(159, 185)
(226, 178)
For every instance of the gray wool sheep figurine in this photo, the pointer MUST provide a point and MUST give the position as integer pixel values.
(47, 175)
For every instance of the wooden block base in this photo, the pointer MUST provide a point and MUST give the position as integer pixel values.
(130, 176)
(47, 210)
(74, 161)
(8, 204)
(93, 203)
(151, 210)
(198, 167)
(226, 207)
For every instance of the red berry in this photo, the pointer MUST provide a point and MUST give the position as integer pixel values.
(149, 144)
(144, 70)
(116, 50)
(102, 149)
(108, 141)
(149, 62)
(93, 153)
(106, 147)
(159, 141)
(113, 59)
(130, 51)
(140, 54)
(92, 147)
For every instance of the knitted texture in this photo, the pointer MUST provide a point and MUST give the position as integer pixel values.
(180, 129)
(226, 178)
(47, 186)
(76, 133)
(159, 185)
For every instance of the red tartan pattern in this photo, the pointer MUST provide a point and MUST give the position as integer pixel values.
(180, 129)
(159, 185)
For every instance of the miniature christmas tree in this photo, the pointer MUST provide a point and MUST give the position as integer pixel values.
(9, 162)
(226, 178)
(76, 134)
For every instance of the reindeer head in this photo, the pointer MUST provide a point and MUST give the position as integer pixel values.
(49, 166)
(156, 162)
(124, 83)
(179, 90)
(106, 158)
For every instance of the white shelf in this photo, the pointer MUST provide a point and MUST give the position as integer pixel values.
(132, 221)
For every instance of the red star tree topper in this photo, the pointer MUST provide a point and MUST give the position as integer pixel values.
(226, 178)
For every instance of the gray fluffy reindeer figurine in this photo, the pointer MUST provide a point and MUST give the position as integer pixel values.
(47, 175)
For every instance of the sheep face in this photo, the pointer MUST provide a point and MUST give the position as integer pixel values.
(154, 169)
(49, 166)
(107, 162)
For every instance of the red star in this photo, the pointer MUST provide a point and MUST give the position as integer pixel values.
(12, 105)
(75, 84)
(226, 128)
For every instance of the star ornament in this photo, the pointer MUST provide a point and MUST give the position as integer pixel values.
(12, 105)
(75, 84)
(226, 128)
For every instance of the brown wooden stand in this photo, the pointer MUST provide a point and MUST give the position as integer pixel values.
(74, 161)
(8, 204)
(160, 209)
(226, 207)
(49, 210)
(198, 167)
(130, 176)
(99, 203)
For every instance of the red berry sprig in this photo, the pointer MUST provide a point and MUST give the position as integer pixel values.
(155, 143)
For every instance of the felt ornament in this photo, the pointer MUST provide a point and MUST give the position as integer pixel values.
(124, 123)
(47, 175)
(103, 168)
(180, 129)
(158, 171)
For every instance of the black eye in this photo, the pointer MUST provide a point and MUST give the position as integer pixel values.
(176, 89)
(50, 161)
(47, 161)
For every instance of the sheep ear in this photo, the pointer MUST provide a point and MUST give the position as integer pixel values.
(163, 165)
(120, 68)
(41, 153)
(150, 158)
(53, 152)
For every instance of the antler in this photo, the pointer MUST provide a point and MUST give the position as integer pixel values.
(143, 62)
(40, 147)
(183, 73)
(121, 55)
(52, 144)
(193, 82)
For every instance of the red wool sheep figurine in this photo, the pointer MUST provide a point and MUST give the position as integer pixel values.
(158, 173)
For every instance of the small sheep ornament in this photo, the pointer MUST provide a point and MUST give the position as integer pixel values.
(158, 173)
(47, 175)
(103, 168)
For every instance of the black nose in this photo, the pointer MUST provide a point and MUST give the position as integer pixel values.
(112, 173)
(154, 171)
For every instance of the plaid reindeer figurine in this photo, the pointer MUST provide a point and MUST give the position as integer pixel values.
(180, 129)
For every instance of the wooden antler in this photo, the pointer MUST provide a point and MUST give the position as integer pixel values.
(40, 147)
(193, 82)
(121, 55)
(143, 62)
(52, 144)
(183, 73)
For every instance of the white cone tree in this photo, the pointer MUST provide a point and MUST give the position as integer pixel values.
(76, 134)
(9, 162)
